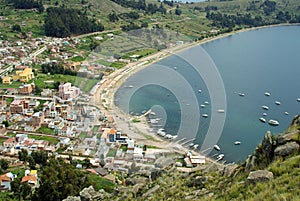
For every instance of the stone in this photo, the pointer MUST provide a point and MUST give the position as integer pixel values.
(259, 176)
(156, 172)
(230, 169)
(163, 162)
(178, 164)
(198, 181)
(72, 198)
(287, 149)
(89, 194)
(135, 180)
(284, 138)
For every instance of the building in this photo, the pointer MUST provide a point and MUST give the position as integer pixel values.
(66, 91)
(7, 80)
(10, 142)
(26, 89)
(23, 76)
(17, 107)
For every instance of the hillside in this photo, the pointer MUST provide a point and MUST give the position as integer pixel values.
(271, 173)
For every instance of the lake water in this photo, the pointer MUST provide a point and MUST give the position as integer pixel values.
(252, 63)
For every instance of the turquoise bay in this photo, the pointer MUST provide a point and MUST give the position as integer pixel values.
(251, 62)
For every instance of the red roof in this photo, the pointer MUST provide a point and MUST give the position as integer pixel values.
(29, 178)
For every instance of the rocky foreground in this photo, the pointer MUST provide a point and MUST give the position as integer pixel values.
(272, 172)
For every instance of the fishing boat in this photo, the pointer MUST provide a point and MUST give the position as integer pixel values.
(220, 110)
(202, 106)
(286, 113)
(273, 122)
(199, 90)
(237, 142)
(241, 94)
(267, 94)
(265, 114)
(195, 146)
(298, 99)
(216, 147)
(265, 107)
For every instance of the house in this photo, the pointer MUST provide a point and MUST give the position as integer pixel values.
(197, 160)
(37, 119)
(30, 179)
(5, 181)
(26, 89)
(23, 76)
(7, 80)
(66, 91)
(130, 146)
(17, 107)
(10, 142)
(109, 134)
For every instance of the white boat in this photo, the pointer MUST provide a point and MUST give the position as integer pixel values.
(195, 146)
(205, 115)
(273, 122)
(160, 130)
(199, 90)
(286, 113)
(130, 86)
(220, 110)
(277, 103)
(175, 68)
(220, 157)
(216, 147)
(237, 142)
(265, 107)
(202, 106)
(206, 103)
(168, 136)
(241, 94)
(267, 94)
(265, 114)
(262, 120)
(298, 99)
(191, 145)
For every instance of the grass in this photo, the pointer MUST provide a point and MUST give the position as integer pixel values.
(99, 182)
(2, 139)
(82, 135)
(52, 140)
(45, 130)
(95, 128)
(111, 153)
(9, 101)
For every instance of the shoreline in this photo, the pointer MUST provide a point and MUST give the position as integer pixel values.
(112, 82)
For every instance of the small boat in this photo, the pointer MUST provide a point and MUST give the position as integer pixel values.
(273, 122)
(220, 157)
(216, 147)
(265, 114)
(277, 103)
(202, 106)
(241, 94)
(267, 94)
(205, 115)
(298, 99)
(262, 120)
(199, 90)
(220, 110)
(206, 103)
(175, 68)
(286, 113)
(237, 142)
(130, 86)
(191, 145)
(265, 107)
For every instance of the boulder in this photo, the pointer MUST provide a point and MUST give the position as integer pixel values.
(198, 181)
(267, 145)
(135, 180)
(163, 162)
(230, 169)
(259, 176)
(156, 172)
(284, 138)
(89, 194)
(178, 164)
(250, 163)
(72, 198)
(287, 149)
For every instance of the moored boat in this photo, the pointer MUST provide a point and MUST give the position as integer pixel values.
(262, 120)
(267, 94)
(220, 110)
(241, 94)
(265, 114)
(286, 113)
(216, 147)
(277, 103)
(273, 122)
(237, 142)
(205, 115)
(265, 107)
(220, 157)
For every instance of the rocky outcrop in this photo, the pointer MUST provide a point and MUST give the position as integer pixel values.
(230, 169)
(163, 162)
(88, 194)
(135, 180)
(259, 176)
(287, 149)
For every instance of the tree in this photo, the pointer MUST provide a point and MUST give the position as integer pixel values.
(113, 17)
(16, 28)
(31, 162)
(4, 164)
(23, 155)
(178, 11)
(5, 123)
